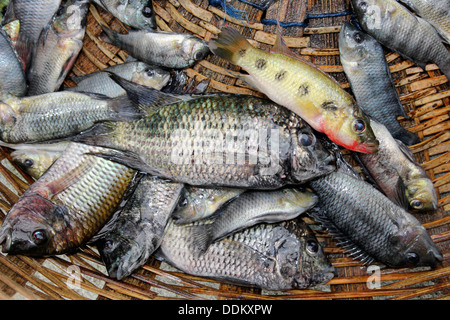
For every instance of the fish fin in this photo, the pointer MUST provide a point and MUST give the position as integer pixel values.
(125, 109)
(228, 44)
(406, 137)
(147, 98)
(98, 135)
(125, 158)
(247, 78)
(319, 214)
(109, 35)
(9, 15)
(406, 151)
(400, 196)
(202, 236)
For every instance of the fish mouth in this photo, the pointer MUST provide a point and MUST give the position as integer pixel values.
(368, 147)
(5, 239)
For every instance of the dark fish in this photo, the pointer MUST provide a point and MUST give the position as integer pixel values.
(12, 75)
(216, 140)
(279, 256)
(58, 47)
(366, 67)
(369, 225)
(399, 30)
(136, 233)
(165, 49)
(67, 205)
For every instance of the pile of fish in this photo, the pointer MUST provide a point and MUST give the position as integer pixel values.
(214, 184)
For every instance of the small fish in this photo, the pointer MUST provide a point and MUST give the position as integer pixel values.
(33, 15)
(398, 174)
(217, 140)
(137, 231)
(436, 12)
(67, 205)
(138, 14)
(12, 75)
(35, 159)
(58, 47)
(59, 114)
(377, 229)
(398, 29)
(255, 207)
(165, 49)
(134, 71)
(199, 203)
(279, 256)
(298, 85)
(366, 67)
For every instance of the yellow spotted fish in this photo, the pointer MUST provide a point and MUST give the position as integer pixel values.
(298, 85)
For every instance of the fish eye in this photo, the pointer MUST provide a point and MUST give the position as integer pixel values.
(312, 246)
(183, 203)
(413, 258)
(150, 73)
(417, 204)
(358, 37)
(198, 55)
(109, 244)
(363, 5)
(28, 163)
(359, 126)
(306, 139)
(147, 11)
(39, 236)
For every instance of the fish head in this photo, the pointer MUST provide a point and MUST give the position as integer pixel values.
(151, 76)
(36, 226)
(354, 45)
(8, 117)
(309, 158)
(33, 162)
(412, 246)
(371, 13)
(142, 14)
(72, 22)
(194, 49)
(421, 195)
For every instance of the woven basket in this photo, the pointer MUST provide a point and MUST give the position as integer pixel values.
(425, 95)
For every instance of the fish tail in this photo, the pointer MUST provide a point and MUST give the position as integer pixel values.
(407, 137)
(229, 44)
(125, 109)
(109, 36)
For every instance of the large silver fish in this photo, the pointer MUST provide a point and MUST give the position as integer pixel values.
(12, 75)
(279, 256)
(136, 233)
(58, 47)
(366, 67)
(399, 30)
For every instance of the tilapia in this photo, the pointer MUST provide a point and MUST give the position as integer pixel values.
(278, 256)
(138, 14)
(199, 203)
(377, 229)
(398, 29)
(218, 140)
(366, 67)
(398, 174)
(255, 207)
(12, 75)
(135, 71)
(58, 47)
(33, 15)
(436, 12)
(35, 158)
(59, 114)
(298, 85)
(68, 205)
(137, 231)
(161, 48)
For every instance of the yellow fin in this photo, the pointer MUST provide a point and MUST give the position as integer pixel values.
(229, 44)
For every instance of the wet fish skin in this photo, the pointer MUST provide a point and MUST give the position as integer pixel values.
(295, 83)
(255, 207)
(67, 206)
(377, 229)
(398, 174)
(58, 47)
(135, 71)
(436, 12)
(35, 159)
(59, 114)
(138, 14)
(165, 49)
(12, 75)
(213, 121)
(278, 256)
(199, 203)
(399, 30)
(366, 67)
(33, 15)
(137, 231)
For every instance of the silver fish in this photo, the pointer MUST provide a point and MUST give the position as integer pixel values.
(12, 75)
(366, 67)
(398, 29)
(279, 256)
(58, 47)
